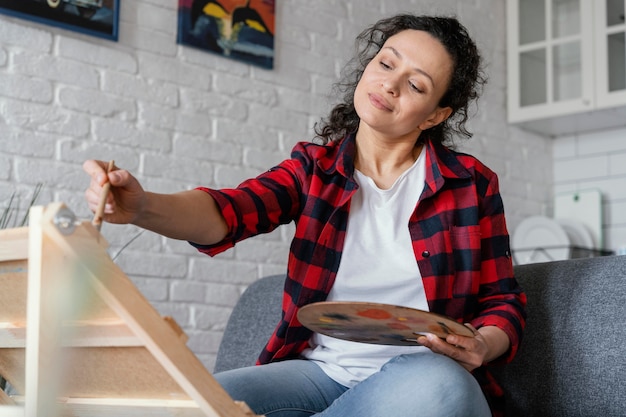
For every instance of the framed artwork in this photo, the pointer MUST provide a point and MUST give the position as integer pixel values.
(237, 29)
(93, 17)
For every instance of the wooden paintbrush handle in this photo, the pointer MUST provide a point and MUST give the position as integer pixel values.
(97, 218)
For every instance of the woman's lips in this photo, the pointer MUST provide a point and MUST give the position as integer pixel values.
(379, 102)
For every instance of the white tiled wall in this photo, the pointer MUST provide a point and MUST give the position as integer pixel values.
(596, 161)
(179, 117)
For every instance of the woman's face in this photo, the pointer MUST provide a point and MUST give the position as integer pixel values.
(399, 92)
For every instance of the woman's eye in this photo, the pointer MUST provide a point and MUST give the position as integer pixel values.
(385, 65)
(415, 87)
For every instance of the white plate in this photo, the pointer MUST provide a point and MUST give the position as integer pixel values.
(540, 239)
(579, 235)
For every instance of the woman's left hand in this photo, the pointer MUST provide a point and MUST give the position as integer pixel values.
(471, 352)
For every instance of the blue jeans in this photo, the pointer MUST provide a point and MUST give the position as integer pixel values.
(420, 384)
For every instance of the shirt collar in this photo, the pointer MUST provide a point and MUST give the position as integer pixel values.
(443, 162)
(340, 157)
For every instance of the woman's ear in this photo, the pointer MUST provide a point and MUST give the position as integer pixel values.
(440, 115)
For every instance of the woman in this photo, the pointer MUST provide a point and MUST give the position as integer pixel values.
(384, 212)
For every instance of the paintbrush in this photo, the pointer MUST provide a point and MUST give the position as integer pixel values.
(97, 218)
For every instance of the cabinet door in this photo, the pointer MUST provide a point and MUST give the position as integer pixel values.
(610, 52)
(550, 58)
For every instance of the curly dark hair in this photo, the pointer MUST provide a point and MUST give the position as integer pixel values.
(466, 81)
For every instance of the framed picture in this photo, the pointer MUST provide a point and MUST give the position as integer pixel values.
(237, 29)
(93, 17)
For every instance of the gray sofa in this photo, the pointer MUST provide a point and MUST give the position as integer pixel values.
(572, 361)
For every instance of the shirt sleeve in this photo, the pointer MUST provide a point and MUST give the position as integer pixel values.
(502, 301)
(258, 205)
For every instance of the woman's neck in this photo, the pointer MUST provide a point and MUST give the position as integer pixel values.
(385, 160)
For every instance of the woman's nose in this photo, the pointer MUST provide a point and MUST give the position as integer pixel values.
(391, 85)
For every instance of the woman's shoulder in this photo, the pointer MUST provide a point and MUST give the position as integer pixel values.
(462, 160)
(314, 148)
(324, 154)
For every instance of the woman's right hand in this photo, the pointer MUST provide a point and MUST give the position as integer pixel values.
(126, 197)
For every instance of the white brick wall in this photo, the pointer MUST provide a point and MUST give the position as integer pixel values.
(596, 161)
(178, 117)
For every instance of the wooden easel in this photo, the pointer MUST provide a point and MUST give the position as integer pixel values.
(95, 346)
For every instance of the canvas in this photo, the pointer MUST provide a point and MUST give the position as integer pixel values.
(93, 17)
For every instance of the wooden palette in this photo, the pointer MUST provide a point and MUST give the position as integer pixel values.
(382, 324)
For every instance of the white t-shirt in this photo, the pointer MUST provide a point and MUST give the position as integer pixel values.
(378, 265)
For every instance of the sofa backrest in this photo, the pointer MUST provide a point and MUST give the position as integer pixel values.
(572, 361)
(251, 324)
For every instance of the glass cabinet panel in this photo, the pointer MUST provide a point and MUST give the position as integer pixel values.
(532, 18)
(533, 77)
(565, 18)
(566, 57)
(567, 64)
(614, 12)
(617, 61)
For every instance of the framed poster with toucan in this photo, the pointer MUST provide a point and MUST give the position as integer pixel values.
(237, 29)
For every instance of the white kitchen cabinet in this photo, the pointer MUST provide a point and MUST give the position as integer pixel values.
(566, 65)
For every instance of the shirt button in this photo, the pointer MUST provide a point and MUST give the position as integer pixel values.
(425, 254)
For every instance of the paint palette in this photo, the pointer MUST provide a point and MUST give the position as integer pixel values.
(375, 323)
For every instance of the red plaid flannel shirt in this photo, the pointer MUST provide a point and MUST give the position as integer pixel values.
(458, 229)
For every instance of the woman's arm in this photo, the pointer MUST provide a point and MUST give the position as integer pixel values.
(189, 215)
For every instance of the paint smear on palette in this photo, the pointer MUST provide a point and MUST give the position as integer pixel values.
(375, 314)
(398, 326)
(392, 337)
(330, 317)
(443, 327)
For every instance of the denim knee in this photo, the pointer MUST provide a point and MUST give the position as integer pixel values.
(441, 381)
(419, 384)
